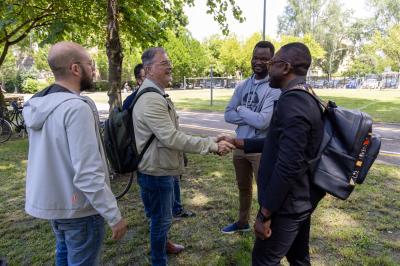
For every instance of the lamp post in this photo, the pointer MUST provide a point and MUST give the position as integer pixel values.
(211, 85)
(265, 11)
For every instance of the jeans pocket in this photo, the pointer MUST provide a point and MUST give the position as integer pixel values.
(76, 233)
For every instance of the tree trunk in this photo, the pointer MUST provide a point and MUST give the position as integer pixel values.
(114, 54)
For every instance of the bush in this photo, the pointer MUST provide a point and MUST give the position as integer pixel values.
(101, 85)
(13, 83)
(31, 86)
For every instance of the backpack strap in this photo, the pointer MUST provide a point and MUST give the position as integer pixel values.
(324, 107)
(140, 93)
(307, 89)
(130, 109)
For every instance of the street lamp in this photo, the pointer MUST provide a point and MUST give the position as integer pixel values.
(330, 62)
(265, 11)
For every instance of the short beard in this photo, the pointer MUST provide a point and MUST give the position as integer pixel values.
(86, 83)
(275, 82)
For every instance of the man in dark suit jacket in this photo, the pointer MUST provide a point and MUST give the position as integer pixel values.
(286, 195)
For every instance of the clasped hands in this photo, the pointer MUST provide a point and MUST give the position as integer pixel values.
(226, 144)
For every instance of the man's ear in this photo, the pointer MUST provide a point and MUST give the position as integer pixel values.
(287, 69)
(75, 70)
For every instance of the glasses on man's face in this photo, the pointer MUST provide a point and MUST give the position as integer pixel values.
(165, 63)
(91, 64)
(272, 62)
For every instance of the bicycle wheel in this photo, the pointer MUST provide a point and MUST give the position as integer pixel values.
(19, 119)
(5, 130)
(120, 183)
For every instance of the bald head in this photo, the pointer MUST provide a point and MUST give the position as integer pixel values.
(62, 55)
(298, 55)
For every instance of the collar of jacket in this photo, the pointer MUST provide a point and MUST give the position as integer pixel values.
(295, 82)
(149, 83)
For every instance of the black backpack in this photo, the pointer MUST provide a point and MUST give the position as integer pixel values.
(119, 138)
(347, 151)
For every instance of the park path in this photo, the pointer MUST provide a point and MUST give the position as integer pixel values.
(213, 124)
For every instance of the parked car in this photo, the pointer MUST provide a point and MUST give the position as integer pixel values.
(317, 84)
(370, 83)
(352, 84)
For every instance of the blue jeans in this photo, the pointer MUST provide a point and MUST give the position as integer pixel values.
(177, 205)
(177, 208)
(158, 195)
(78, 240)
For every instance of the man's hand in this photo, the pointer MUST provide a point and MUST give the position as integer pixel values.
(239, 143)
(263, 230)
(225, 147)
(226, 138)
(119, 230)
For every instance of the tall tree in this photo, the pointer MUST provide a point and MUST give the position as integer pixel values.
(301, 17)
(387, 12)
(141, 22)
(326, 21)
(114, 54)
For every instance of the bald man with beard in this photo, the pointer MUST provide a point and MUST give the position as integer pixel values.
(67, 178)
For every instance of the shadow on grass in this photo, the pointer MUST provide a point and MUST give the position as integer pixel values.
(381, 111)
(363, 230)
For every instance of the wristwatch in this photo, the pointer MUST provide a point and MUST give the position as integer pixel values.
(262, 218)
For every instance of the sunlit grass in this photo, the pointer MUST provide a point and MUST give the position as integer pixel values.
(382, 105)
(363, 230)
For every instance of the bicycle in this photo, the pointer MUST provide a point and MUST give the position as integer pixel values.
(9, 120)
(120, 183)
(5, 126)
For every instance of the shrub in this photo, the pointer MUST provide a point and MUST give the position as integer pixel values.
(101, 85)
(30, 86)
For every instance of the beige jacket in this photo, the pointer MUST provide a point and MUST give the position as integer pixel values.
(156, 114)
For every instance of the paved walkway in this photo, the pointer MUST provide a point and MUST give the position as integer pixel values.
(213, 124)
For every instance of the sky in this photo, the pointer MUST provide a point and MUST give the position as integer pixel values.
(202, 24)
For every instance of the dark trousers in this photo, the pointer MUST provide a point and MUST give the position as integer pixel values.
(290, 238)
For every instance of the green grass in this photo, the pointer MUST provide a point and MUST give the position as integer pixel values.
(364, 230)
(382, 105)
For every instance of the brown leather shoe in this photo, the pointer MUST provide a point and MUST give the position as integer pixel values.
(174, 248)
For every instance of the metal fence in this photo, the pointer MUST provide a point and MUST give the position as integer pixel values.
(384, 81)
(207, 82)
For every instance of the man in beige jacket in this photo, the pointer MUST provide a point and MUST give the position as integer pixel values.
(154, 113)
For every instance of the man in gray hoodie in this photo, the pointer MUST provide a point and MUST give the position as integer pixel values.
(67, 178)
(250, 109)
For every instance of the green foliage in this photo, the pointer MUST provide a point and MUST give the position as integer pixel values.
(188, 56)
(30, 86)
(387, 13)
(326, 22)
(317, 52)
(40, 58)
(101, 85)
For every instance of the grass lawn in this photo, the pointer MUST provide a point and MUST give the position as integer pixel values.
(382, 105)
(364, 230)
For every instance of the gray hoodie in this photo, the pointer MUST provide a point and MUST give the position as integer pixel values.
(67, 174)
(256, 100)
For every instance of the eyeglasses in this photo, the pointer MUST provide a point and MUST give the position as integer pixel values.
(165, 63)
(270, 63)
(91, 64)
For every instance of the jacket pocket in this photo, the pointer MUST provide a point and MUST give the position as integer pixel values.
(167, 158)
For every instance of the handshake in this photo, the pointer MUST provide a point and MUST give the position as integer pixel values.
(227, 143)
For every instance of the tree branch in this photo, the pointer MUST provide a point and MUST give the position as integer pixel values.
(4, 53)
